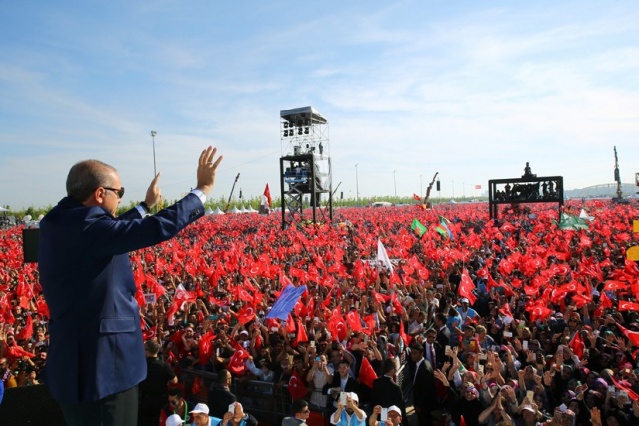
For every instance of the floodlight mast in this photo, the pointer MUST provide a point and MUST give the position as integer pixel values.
(155, 171)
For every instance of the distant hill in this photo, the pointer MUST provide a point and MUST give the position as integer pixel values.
(606, 190)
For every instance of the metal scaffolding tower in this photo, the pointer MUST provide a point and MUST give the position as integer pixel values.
(305, 166)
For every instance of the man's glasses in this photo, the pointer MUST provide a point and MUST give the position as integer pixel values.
(118, 192)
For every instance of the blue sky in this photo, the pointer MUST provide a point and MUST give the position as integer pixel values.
(469, 89)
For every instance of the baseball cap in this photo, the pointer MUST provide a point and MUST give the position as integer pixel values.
(395, 408)
(464, 300)
(200, 408)
(353, 396)
(173, 420)
(528, 407)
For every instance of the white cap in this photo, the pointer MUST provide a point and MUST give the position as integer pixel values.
(353, 396)
(200, 408)
(173, 420)
(395, 408)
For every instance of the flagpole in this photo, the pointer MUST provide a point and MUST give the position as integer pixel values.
(356, 186)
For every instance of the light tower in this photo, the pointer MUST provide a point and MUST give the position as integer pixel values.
(305, 165)
(155, 171)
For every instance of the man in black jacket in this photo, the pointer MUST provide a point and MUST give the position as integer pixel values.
(220, 396)
(385, 391)
(153, 390)
(342, 382)
(424, 400)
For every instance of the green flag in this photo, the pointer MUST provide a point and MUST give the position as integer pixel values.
(418, 227)
(571, 222)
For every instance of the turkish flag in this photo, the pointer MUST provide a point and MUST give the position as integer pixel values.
(207, 349)
(27, 331)
(267, 195)
(625, 305)
(616, 285)
(236, 362)
(624, 386)
(402, 334)
(246, 314)
(466, 287)
(366, 373)
(354, 321)
(338, 328)
(296, 386)
(505, 310)
(397, 306)
(43, 308)
(633, 336)
(301, 333)
(539, 312)
(379, 297)
(149, 333)
(16, 352)
(417, 197)
(577, 345)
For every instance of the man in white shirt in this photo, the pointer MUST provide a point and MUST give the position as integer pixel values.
(349, 414)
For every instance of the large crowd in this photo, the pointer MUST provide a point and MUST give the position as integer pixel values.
(509, 321)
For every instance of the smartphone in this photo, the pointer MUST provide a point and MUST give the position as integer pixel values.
(482, 356)
(611, 389)
(480, 367)
(531, 396)
(232, 408)
(317, 359)
(342, 398)
(524, 345)
(540, 358)
(312, 343)
(508, 334)
(447, 350)
(384, 415)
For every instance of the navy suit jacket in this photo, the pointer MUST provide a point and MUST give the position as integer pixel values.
(96, 345)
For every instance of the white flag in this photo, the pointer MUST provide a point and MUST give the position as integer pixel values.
(382, 256)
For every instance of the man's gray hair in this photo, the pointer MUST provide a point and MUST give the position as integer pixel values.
(85, 176)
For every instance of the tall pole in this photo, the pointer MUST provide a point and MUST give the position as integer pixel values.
(155, 171)
(395, 182)
(617, 176)
(356, 186)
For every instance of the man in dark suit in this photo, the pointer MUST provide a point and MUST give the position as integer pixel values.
(385, 391)
(342, 382)
(220, 396)
(96, 357)
(433, 352)
(424, 392)
(155, 388)
(443, 335)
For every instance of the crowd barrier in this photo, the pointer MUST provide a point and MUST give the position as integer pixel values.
(268, 402)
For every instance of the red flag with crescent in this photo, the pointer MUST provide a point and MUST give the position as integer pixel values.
(366, 373)
(246, 314)
(633, 336)
(296, 386)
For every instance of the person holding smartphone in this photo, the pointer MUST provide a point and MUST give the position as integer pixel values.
(317, 377)
(393, 416)
(235, 416)
(348, 412)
